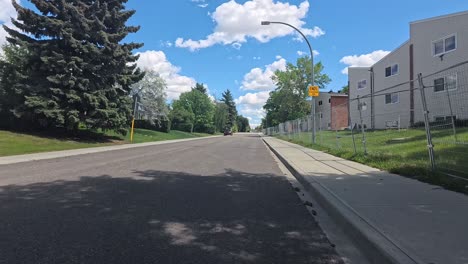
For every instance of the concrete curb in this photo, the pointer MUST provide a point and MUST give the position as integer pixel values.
(83, 151)
(373, 243)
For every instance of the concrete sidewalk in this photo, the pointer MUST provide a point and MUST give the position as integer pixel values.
(75, 152)
(391, 218)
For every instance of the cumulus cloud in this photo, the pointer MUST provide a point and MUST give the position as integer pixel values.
(7, 11)
(253, 113)
(364, 60)
(251, 105)
(259, 79)
(235, 23)
(253, 99)
(157, 61)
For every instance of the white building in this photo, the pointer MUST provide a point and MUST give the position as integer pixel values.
(388, 89)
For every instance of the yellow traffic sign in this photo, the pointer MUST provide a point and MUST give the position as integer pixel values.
(314, 91)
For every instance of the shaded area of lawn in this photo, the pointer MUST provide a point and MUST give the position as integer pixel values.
(17, 143)
(402, 152)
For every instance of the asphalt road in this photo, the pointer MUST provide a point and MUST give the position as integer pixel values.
(218, 200)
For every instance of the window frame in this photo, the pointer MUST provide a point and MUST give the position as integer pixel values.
(359, 82)
(445, 83)
(391, 98)
(443, 39)
(444, 118)
(391, 70)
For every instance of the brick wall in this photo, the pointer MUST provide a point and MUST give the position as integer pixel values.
(339, 112)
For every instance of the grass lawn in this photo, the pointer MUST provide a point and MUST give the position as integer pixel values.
(143, 135)
(12, 143)
(402, 152)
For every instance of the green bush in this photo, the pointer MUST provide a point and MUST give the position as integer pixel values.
(162, 125)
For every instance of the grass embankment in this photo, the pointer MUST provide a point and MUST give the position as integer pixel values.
(13, 143)
(402, 152)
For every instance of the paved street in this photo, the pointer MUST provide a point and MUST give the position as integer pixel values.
(217, 200)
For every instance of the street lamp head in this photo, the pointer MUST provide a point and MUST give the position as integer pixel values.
(266, 23)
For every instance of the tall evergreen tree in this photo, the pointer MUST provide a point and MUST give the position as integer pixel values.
(232, 111)
(77, 69)
(10, 95)
(200, 87)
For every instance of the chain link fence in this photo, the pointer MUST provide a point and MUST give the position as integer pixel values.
(419, 123)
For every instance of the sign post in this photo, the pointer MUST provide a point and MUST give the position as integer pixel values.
(313, 92)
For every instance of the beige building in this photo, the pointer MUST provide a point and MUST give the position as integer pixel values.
(388, 89)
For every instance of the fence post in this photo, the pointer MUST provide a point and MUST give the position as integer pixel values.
(338, 145)
(362, 126)
(430, 146)
(451, 114)
(354, 141)
(399, 123)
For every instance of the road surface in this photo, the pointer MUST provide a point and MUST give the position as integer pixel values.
(217, 200)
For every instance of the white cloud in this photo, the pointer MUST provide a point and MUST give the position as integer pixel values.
(364, 60)
(303, 53)
(251, 106)
(257, 58)
(7, 11)
(202, 5)
(236, 22)
(157, 61)
(260, 80)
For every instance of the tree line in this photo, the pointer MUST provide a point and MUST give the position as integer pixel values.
(66, 66)
(194, 111)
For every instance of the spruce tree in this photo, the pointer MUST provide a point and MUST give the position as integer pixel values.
(200, 87)
(78, 71)
(232, 111)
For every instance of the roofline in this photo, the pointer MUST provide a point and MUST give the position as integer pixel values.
(391, 52)
(439, 17)
(360, 67)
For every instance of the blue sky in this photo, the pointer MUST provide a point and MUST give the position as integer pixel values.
(228, 43)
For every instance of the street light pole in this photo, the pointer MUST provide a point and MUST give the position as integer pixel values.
(266, 23)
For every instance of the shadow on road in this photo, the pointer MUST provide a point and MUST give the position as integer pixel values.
(160, 217)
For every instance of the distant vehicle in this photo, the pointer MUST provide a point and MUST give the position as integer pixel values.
(228, 132)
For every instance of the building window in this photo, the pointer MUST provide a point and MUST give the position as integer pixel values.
(320, 103)
(448, 83)
(329, 101)
(391, 70)
(393, 98)
(444, 45)
(321, 115)
(444, 118)
(362, 84)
